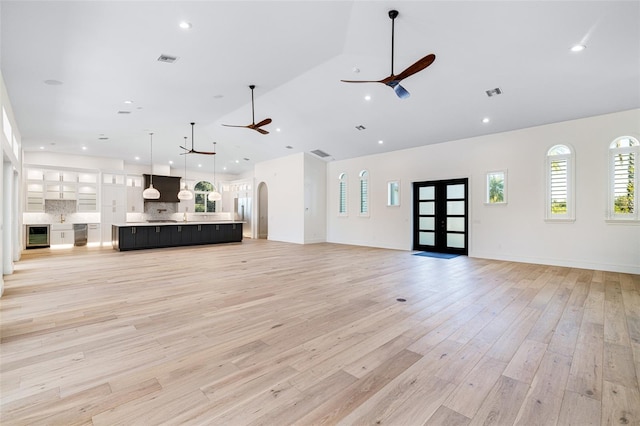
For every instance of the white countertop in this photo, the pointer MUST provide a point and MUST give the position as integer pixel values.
(198, 222)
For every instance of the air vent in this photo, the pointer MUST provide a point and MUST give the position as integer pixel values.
(124, 112)
(167, 58)
(289, 147)
(360, 127)
(245, 159)
(320, 153)
(493, 92)
(103, 138)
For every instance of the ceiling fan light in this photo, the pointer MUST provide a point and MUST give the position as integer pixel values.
(151, 193)
(214, 196)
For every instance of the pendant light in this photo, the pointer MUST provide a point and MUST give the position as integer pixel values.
(151, 193)
(214, 195)
(184, 193)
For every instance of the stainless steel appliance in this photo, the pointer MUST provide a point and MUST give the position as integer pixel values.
(80, 234)
(37, 236)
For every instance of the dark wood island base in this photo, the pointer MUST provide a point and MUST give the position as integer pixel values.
(157, 235)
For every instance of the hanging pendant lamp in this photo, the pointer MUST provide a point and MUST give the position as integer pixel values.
(151, 193)
(184, 193)
(214, 195)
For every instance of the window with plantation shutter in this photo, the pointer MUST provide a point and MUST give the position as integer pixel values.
(623, 180)
(342, 191)
(560, 202)
(364, 193)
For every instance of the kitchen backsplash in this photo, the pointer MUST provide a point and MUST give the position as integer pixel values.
(58, 207)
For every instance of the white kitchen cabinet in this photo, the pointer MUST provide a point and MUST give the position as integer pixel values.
(93, 233)
(35, 197)
(61, 184)
(87, 196)
(61, 234)
(135, 202)
(113, 203)
(60, 191)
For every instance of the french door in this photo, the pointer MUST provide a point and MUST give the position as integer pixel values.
(440, 210)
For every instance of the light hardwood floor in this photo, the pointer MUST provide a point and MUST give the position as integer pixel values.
(273, 333)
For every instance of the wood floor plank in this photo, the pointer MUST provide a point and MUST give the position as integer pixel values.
(543, 401)
(268, 333)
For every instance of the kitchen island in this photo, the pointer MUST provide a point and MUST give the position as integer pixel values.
(146, 235)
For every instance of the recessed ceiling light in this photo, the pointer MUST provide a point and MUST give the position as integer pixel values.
(485, 120)
(237, 161)
(367, 98)
(218, 96)
(53, 82)
(380, 142)
(356, 70)
(128, 102)
(185, 25)
(199, 165)
(137, 158)
(42, 147)
(84, 148)
(278, 129)
(170, 161)
(224, 168)
(578, 48)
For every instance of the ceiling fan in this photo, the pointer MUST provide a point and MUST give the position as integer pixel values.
(253, 124)
(192, 150)
(393, 80)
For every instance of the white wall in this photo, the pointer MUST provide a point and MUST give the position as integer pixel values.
(284, 178)
(515, 231)
(44, 158)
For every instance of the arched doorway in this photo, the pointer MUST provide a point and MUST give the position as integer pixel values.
(263, 211)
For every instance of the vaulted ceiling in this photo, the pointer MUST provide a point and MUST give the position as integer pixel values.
(70, 66)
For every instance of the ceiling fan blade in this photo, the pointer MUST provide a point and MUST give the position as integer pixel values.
(264, 132)
(232, 125)
(401, 91)
(362, 81)
(417, 66)
(263, 122)
(202, 152)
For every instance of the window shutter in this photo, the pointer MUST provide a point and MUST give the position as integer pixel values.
(343, 197)
(364, 195)
(623, 182)
(559, 186)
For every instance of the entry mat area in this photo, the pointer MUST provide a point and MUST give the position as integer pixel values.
(436, 255)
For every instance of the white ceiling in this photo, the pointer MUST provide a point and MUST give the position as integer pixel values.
(296, 53)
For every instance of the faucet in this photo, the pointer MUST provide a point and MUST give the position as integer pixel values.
(184, 217)
(162, 210)
(61, 218)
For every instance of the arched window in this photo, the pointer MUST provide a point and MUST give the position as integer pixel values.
(342, 194)
(560, 183)
(202, 203)
(623, 180)
(364, 193)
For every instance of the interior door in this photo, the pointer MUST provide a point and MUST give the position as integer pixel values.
(440, 210)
